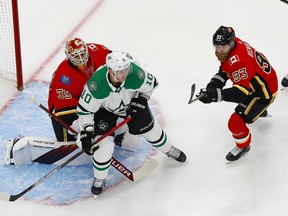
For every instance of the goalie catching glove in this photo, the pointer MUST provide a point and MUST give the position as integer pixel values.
(86, 140)
(210, 95)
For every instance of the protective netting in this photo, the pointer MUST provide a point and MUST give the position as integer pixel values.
(7, 48)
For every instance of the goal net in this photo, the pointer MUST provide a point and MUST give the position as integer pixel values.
(10, 49)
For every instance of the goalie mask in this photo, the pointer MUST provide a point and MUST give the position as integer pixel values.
(76, 51)
(117, 61)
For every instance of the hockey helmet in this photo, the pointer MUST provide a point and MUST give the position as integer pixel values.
(76, 51)
(117, 61)
(223, 35)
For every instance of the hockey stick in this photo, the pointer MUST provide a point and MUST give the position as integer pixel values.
(285, 1)
(8, 197)
(191, 100)
(195, 99)
(144, 170)
(193, 87)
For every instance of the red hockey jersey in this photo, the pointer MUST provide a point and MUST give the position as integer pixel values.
(250, 71)
(67, 82)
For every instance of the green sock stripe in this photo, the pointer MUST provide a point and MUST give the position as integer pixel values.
(162, 142)
(101, 168)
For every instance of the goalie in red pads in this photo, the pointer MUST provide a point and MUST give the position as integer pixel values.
(64, 92)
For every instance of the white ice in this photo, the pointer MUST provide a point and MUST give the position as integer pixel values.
(172, 40)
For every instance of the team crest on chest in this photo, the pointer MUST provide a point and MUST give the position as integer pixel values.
(92, 86)
(141, 74)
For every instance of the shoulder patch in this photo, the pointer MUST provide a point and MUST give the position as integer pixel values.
(141, 74)
(65, 80)
(92, 86)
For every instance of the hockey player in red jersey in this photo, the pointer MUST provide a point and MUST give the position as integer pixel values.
(64, 92)
(254, 86)
(68, 81)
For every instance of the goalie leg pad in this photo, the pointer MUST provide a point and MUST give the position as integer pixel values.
(18, 151)
(9, 151)
(130, 142)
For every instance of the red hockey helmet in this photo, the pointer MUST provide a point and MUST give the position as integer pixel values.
(76, 51)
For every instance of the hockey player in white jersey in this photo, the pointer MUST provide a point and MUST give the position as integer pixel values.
(120, 88)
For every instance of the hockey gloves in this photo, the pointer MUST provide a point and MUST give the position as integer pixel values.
(137, 106)
(210, 95)
(87, 139)
(141, 117)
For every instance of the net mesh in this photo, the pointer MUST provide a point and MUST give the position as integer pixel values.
(7, 50)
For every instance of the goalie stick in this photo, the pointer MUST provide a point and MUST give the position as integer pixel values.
(144, 170)
(8, 197)
(137, 175)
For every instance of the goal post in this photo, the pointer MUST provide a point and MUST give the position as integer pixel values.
(10, 47)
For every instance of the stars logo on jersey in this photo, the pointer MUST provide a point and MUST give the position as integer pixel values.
(66, 80)
(102, 125)
(233, 59)
(121, 108)
(141, 74)
(92, 85)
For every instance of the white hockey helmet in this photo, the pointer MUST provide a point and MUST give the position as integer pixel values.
(76, 51)
(117, 61)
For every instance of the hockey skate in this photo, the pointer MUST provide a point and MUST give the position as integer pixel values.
(97, 186)
(265, 114)
(9, 151)
(237, 153)
(284, 81)
(176, 154)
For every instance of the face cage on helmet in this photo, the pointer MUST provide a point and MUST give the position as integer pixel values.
(78, 57)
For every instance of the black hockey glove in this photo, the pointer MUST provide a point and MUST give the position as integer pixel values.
(210, 95)
(137, 106)
(87, 138)
(141, 117)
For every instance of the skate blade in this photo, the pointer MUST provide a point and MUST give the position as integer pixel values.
(267, 116)
(229, 162)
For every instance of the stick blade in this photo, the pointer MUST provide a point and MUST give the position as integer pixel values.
(4, 196)
(145, 169)
(193, 87)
